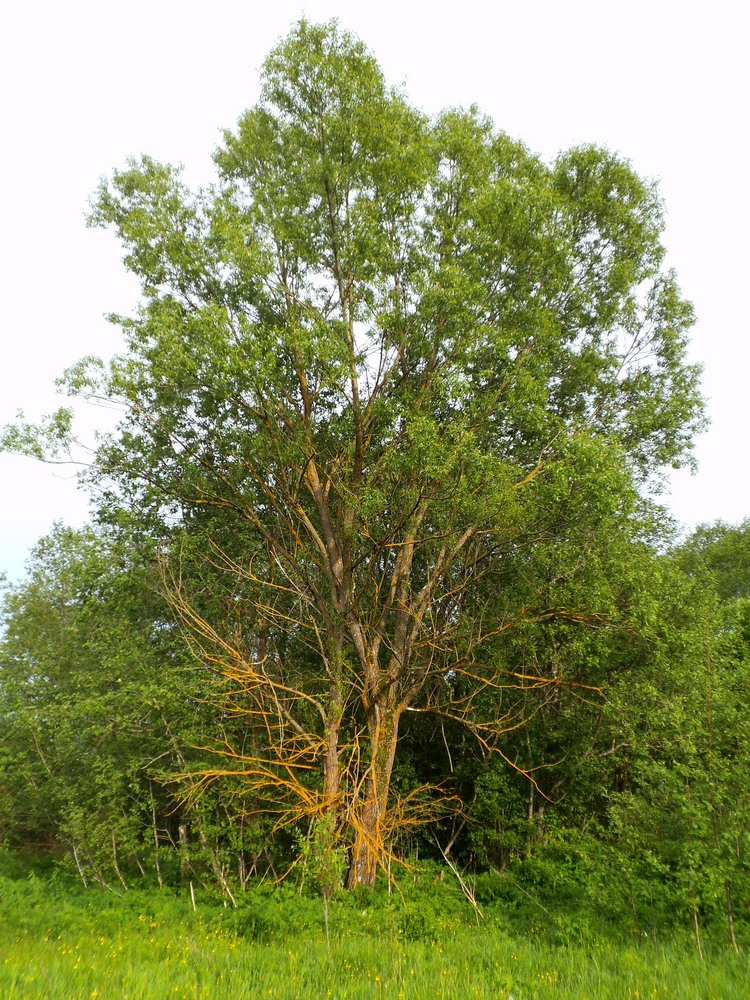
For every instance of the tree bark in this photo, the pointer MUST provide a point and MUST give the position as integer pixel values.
(370, 811)
(730, 914)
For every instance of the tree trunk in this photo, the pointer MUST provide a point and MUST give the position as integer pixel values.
(696, 925)
(371, 810)
(156, 835)
(331, 761)
(730, 914)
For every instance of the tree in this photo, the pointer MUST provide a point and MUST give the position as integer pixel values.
(681, 814)
(99, 714)
(723, 551)
(370, 365)
(80, 675)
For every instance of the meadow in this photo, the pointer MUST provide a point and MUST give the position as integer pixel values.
(61, 942)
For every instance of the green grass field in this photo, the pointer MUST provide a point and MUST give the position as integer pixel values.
(59, 942)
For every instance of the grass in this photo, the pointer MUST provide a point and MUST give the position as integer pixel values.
(59, 942)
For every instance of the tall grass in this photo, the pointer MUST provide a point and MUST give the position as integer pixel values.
(60, 943)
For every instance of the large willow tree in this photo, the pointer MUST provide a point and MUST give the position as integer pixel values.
(372, 366)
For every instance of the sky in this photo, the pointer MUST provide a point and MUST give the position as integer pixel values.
(85, 84)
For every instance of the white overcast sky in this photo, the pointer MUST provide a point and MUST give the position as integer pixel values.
(85, 84)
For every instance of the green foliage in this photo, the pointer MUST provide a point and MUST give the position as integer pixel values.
(381, 527)
(406, 382)
(48, 440)
(99, 714)
(680, 816)
(323, 855)
(722, 550)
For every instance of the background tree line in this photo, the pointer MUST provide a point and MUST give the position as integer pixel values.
(630, 788)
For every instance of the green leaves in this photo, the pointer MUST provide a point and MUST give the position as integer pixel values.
(46, 441)
(359, 263)
(398, 384)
